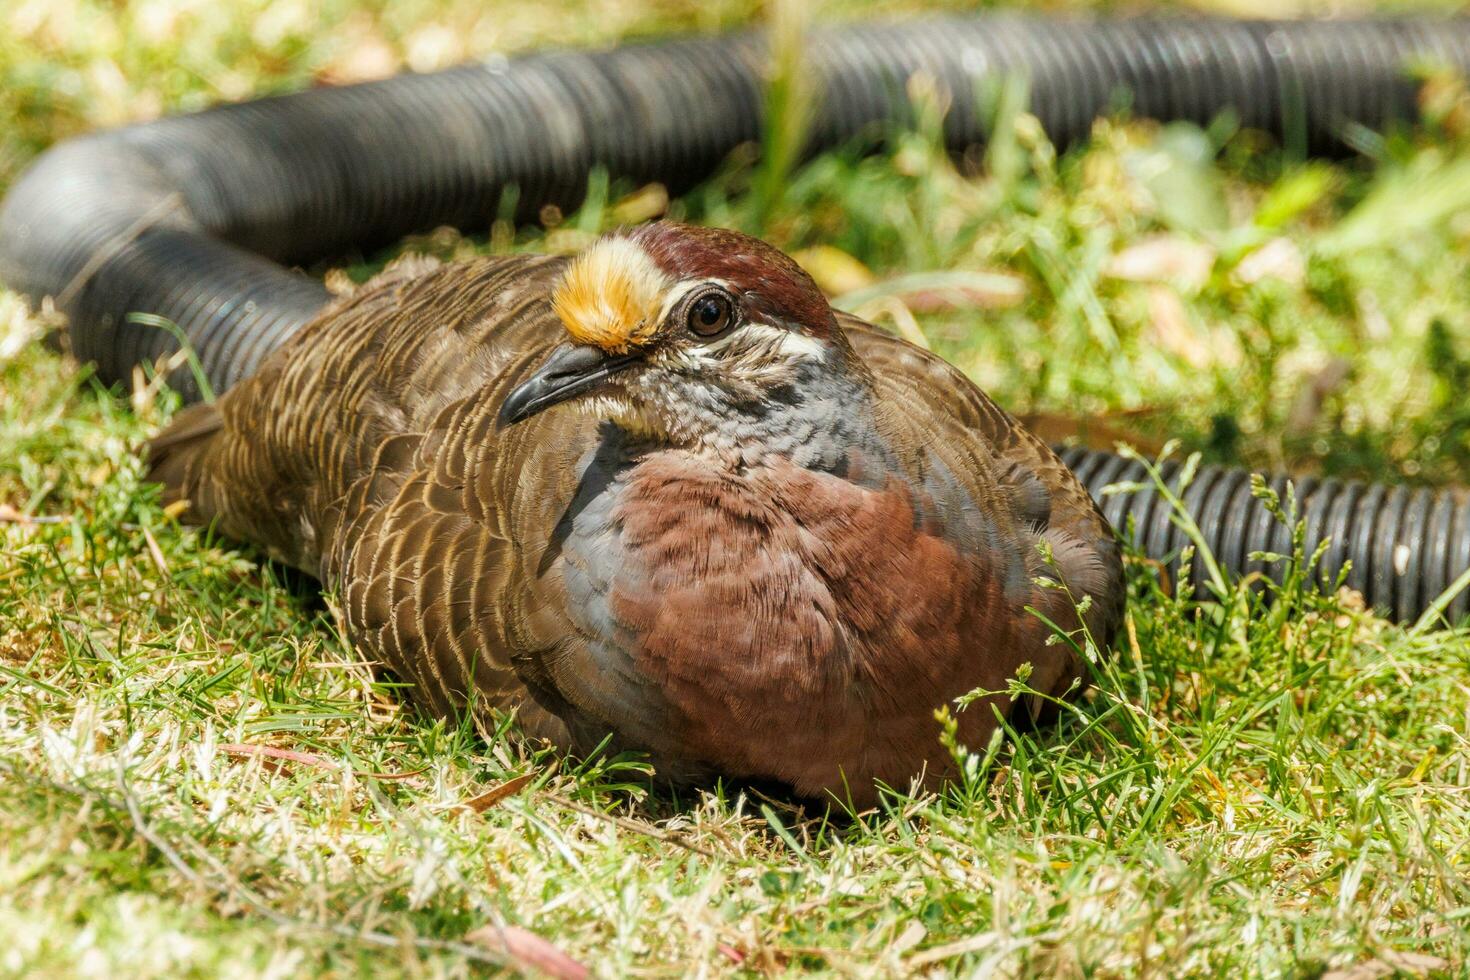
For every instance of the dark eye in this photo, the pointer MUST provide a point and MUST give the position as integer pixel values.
(711, 314)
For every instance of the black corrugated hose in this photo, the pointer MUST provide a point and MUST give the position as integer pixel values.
(188, 218)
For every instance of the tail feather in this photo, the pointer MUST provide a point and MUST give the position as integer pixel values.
(172, 453)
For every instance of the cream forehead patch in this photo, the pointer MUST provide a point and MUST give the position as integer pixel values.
(611, 296)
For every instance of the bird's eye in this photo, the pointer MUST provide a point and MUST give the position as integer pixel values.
(711, 314)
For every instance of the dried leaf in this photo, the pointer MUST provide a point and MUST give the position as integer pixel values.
(364, 55)
(528, 951)
(647, 202)
(1164, 258)
(1306, 407)
(1277, 259)
(494, 795)
(1172, 328)
(933, 292)
(835, 271)
(1417, 964)
(17, 327)
(433, 46)
(1388, 963)
(566, 241)
(276, 756)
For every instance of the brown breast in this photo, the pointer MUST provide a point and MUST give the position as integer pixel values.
(795, 625)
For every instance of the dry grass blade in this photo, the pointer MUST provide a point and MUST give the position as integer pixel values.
(390, 776)
(1164, 258)
(155, 553)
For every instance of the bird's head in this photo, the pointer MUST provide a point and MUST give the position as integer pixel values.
(694, 336)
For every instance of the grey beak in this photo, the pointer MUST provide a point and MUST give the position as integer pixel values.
(570, 371)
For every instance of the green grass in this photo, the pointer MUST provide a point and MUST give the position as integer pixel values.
(1246, 791)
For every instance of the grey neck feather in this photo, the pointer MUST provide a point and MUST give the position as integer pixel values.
(818, 419)
(817, 422)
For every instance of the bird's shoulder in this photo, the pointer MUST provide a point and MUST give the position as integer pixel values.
(960, 436)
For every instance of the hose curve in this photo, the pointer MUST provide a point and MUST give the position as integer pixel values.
(193, 219)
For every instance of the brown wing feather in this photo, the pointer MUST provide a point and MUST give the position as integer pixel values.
(365, 453)
(172, 452)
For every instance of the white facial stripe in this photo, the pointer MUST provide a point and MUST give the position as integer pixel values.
(788, 343)
(797, 344)
(676, 295)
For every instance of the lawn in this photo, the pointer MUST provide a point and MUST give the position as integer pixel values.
(198, 776)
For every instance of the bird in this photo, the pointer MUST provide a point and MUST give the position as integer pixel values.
(660, 497)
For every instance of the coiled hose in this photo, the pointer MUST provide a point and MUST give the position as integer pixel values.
(1403, 546)
(189, 219)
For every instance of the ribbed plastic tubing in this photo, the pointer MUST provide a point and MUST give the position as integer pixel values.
(195, 219)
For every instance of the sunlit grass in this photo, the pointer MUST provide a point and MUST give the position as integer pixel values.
(200, 777)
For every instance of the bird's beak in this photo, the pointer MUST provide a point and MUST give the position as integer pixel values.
(570, 371)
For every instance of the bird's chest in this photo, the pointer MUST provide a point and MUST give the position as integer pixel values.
(716, 599)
